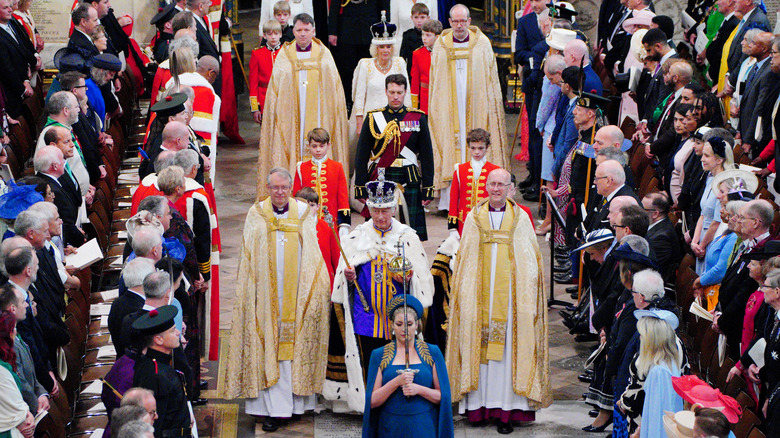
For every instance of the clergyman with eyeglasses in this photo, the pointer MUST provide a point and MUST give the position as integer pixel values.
(498, 314)
(277, 348)
(465, 95)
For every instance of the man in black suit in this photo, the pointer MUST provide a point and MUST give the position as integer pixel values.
(49, 164)
(714, 51)
(48, 289)
(200, 9)
(87, 131)
(755, 218)
(610, 182)
(662, 236)
(349, 35)
(21, 266)
(19, 61)
(117, 38)
(752, 17)
(85, 20)
(133, 300)
(529, 35)
(756, 102)
(657, 48)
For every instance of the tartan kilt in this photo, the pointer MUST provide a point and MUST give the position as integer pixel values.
(408, 178)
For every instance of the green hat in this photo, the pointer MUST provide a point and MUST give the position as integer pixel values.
(170, 105)
(156, 321)
(592, 101)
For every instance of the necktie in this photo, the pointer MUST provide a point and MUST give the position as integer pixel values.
(751, 76)
(10, 30)
(51, 251)
(739, 27)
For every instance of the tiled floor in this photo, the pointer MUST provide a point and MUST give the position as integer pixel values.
(235, 191)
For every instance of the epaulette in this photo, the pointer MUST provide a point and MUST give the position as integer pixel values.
(378, 110)
(414, 110)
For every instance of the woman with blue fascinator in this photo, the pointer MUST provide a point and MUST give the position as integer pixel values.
(408, 390)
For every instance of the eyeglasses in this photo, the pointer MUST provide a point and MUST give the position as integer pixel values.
(495, 185)
(619, 226)
(458, 21)
(599, 177)
(741, 218)
(278, 188)
(80, 86)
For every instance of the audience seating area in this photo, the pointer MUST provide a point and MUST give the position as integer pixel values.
(77, 411)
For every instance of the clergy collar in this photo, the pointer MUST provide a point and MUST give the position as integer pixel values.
(494, 209)
(282, 210)
(383, 232)
(305, 49)
(400, 110)
(456, 40)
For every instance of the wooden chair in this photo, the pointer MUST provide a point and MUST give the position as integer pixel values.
(746, 422)
(714, 368)
(745, 400)
(728, 364)
(755, 432)
(709, 344)
(734, 386)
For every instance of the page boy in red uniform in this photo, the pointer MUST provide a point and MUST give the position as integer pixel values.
(326, 177)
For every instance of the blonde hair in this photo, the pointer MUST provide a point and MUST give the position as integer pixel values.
(658, 345)
(272, 26)
(281, 6)
(770, 265)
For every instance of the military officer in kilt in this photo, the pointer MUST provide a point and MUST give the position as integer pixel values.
(396, 138)
(583, 166)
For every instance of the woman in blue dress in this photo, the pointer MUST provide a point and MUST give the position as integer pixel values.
(407, 403)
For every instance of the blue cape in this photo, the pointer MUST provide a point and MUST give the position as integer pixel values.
(371, 417)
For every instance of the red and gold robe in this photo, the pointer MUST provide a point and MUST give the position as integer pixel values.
(260, 67)
(147, 187)
(466, 191)
(187, 205)
(330, 185)
(421, 71)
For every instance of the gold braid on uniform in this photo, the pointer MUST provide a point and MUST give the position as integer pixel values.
(422, 351)
(387, 355)
(392, 132)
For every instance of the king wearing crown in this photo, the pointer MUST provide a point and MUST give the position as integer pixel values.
(365, 283)
(396, 139)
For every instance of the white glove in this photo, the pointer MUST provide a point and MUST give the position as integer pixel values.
(343, 230)
(454, 234)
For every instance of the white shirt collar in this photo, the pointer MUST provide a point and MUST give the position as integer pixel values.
(668, 55)
(52, 177)
(84, 33)
(612, 195)
(23, 290)
(320, 161)
(134, 292)
(654, 224)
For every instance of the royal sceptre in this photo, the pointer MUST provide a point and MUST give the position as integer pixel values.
(328, 218)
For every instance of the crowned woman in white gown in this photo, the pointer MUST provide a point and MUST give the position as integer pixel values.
(368, 82)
